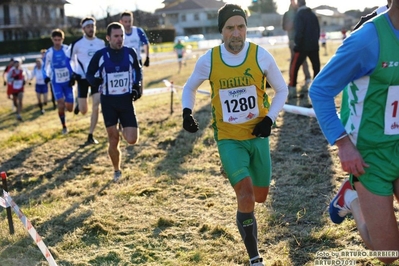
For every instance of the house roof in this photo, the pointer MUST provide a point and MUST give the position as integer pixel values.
(180, 5)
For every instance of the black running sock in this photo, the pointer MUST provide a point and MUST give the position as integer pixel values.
(62, 118)
(246, 223)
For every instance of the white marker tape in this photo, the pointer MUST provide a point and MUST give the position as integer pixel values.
(287, 107)
(156, 91)
(3, 203)
(32, 231)
(299, 110)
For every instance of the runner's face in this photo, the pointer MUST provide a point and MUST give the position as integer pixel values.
(234, 34)
(127, 22)
(57, 41)
(90, 30)
(116, 39)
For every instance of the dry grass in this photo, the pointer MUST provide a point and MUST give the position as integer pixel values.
(172, 206)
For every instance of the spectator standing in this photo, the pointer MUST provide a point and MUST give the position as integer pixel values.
(306, 43)
(288, 26)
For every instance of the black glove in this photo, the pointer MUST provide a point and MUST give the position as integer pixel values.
(5, 83)
(71, 81)
(147, 62)
(98, 81)
(189, 123)
(136, 94)
(47, 80)
(263, 128)
(76, 76)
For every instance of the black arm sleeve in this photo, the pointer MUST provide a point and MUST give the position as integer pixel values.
(93, 67)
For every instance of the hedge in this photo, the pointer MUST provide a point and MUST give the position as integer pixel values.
(35, 45)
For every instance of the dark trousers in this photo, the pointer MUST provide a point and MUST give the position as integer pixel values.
(297, 61)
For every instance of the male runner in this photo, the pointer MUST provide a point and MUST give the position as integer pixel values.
(57, 69)
(81, 51)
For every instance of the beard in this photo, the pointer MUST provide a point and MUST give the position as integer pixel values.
(235, 45)
(90, 34)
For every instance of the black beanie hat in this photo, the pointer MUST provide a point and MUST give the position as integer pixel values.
(227, 11)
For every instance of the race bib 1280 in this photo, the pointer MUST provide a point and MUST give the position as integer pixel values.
(239, 105)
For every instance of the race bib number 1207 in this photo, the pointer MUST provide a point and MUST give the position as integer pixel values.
(118, 83)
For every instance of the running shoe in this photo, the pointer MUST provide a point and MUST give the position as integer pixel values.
(117, 175)
(338, 208)
(64, 131)
(91, 140)
(256, 262)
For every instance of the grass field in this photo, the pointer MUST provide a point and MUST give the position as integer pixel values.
(172, 206)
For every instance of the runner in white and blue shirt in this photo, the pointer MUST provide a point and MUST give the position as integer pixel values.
(135, 37)
(81, 51)
(41, 87)
(57, 69)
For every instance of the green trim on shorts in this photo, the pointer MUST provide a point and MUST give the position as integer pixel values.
(243, 158)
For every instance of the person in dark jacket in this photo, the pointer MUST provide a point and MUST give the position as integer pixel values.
(288, 26)
(307, 33)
